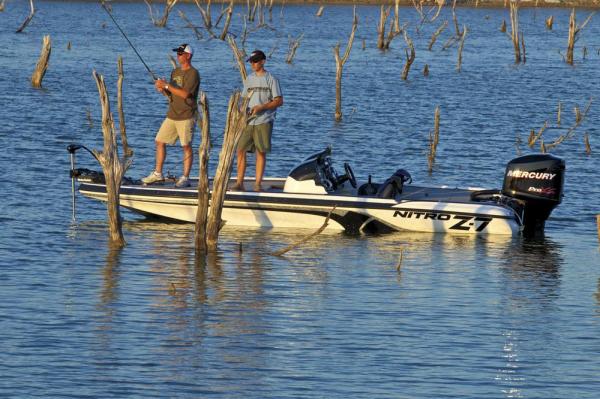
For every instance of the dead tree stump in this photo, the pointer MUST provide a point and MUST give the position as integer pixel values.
(28, 19)
(236, 121)
(113, 167)
(410, 57)
(460, 48)
(239, 57)
(190, 25)
(228, 11)
(293, 45)
(586, 142)
(339, 66)
(434, 138)
(571, 39)
(435, 35)
(514, 27)
(42, 64)
(320, 11)
(162, 22)
(126, 150)
(203, 186)
(383, 15)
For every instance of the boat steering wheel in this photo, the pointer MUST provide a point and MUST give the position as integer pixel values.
(348, 176)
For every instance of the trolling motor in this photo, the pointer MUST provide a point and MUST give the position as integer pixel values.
(74, 173)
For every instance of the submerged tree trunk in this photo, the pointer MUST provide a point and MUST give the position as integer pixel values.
(28, 19)
(434, 139)
(339, 65)
(42, 64)
(113, 167)
(514, 27)
(229, 12)
(126, 150)
(571, 39)
(239, 57)
(235, 123)
(410, 57)
(203, 185)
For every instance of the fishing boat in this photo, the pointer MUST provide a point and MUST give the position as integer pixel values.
(313, 190)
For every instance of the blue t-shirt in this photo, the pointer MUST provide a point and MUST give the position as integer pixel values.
(264, 89)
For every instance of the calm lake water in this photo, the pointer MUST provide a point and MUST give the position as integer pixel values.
(464, 317)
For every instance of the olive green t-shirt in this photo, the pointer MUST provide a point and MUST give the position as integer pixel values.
(184, 108)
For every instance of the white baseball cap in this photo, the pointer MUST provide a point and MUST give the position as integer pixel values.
(184, 48)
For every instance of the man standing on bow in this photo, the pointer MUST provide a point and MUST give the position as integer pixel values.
(265, 98)
(182, 90)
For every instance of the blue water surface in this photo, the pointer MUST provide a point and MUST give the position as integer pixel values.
(462, 317)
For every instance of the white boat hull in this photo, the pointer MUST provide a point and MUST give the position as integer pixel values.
(275, 210)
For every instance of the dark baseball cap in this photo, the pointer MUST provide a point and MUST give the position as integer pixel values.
(256, 55)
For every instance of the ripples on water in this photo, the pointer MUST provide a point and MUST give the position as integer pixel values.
(462, 317)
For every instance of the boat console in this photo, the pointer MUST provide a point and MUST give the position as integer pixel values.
(316, 175)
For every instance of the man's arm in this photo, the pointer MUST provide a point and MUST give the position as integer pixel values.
(274, 103)
(163, 86)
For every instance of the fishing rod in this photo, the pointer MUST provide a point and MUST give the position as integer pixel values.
(103, 4)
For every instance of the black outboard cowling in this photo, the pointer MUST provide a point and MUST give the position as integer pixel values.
(537, 180)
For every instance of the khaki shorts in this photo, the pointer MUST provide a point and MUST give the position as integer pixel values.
(256, 137)
(171, 129)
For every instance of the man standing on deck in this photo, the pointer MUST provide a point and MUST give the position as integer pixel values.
(182, 90)
(265, 98)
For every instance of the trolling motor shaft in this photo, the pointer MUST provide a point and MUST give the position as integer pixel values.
(72, 149)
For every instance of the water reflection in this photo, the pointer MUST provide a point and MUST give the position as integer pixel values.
(538, 261)
(110, 282)
(597, 295)
(531, 286)
(108, 295)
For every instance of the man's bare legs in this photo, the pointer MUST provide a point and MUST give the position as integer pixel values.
(241, 169)
(188, 158)
(161, 153)
(261, 160)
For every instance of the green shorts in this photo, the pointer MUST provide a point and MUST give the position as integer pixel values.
(256, 137)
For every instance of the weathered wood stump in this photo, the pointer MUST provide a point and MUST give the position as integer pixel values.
(28, 19)
(126, 150)
(42, 64)
(236, 121)
(113, 167)
(339, 67)
(239, 57)
(203, 185)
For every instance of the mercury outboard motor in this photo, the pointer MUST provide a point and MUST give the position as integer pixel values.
(537, 180)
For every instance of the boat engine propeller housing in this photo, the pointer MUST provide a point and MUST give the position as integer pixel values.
(537, 182)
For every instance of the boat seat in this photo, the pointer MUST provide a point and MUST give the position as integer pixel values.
(394, 185)
(368, 189)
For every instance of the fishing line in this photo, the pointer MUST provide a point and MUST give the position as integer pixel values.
(102, 3)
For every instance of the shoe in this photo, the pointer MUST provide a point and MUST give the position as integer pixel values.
(258, 189)
(153, 178)
(182, 182)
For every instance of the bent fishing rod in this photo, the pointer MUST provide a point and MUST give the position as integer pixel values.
(103, 4)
